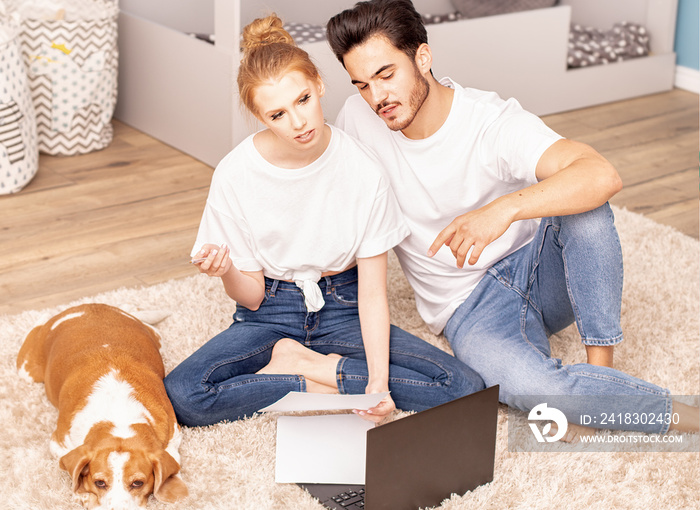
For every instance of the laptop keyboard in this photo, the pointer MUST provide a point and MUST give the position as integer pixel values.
(350, 499)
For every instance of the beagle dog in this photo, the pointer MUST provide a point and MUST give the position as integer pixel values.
(116, 435)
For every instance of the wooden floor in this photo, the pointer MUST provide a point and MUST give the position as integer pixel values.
(127, 215)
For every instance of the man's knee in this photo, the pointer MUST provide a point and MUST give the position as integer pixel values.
(595, 225)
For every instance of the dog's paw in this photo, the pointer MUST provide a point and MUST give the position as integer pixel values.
(24, 375)
(151, 317)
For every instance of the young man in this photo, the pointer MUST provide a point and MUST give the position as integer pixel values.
(473, 174)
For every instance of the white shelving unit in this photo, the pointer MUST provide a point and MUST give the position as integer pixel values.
(182, 90)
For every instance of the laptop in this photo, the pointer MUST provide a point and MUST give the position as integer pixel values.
(420, 460)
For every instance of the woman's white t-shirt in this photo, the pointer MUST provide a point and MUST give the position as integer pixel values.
(295, 224)
(486, 148)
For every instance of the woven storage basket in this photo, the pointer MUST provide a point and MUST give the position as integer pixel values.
(70, 48)
(19, 155)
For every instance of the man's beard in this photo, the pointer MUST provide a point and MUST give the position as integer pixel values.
(418, 96)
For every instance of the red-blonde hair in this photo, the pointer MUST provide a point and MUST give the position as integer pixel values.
(268, 53)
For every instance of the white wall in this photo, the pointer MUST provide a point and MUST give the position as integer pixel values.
(182, 15)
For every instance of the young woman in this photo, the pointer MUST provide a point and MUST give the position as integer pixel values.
(297, 225)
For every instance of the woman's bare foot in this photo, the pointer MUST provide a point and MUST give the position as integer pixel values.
(314, 387)
(290, 357)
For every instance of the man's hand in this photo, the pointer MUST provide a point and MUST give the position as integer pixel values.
(473, 231)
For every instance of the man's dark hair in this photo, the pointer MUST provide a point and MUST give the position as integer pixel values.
(397, 20)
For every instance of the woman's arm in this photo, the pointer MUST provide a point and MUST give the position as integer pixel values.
(374, 322)
(245, 288)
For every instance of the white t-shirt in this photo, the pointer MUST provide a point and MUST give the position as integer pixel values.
(294, 224)
(486, 148)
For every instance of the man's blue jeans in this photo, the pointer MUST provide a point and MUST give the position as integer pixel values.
(218, 382)
(570, 272)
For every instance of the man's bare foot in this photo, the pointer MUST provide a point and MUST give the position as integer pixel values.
(574, 432)
(686, 418)
(601, 355)
(291, 357)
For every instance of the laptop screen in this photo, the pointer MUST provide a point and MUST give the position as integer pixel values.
(424, 458)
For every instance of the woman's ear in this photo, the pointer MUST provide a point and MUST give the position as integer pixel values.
(321, 87)
(424, 58)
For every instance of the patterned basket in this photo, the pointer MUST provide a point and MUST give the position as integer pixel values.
(19, 154)
(70, 48)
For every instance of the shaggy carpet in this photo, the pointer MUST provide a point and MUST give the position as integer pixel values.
(231, 465)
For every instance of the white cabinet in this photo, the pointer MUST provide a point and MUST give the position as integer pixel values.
(182, 90)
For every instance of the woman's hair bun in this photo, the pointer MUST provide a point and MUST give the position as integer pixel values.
(264, 31)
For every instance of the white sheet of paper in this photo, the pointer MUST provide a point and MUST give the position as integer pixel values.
(321, 449)
(302, 401)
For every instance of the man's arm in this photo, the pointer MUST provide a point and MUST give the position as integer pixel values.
(573, 178)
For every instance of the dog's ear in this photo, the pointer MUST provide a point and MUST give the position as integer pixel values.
(76, 463)
(168, 486)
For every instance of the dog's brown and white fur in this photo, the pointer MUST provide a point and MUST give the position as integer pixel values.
(117, 435)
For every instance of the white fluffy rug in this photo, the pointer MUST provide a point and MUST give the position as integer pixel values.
(231, 465)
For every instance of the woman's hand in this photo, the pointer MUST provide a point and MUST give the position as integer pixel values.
(379, 412)
(213, 260)
(246, 288)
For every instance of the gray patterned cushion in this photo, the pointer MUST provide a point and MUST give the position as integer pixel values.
(308, 33)
(480, 8)
(433, 19)
(305, 32)
(591, 46)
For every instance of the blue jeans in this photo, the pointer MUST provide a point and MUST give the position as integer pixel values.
(570, 272)
(218, 382)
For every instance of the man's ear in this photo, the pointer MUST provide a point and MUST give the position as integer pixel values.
(424, 58)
